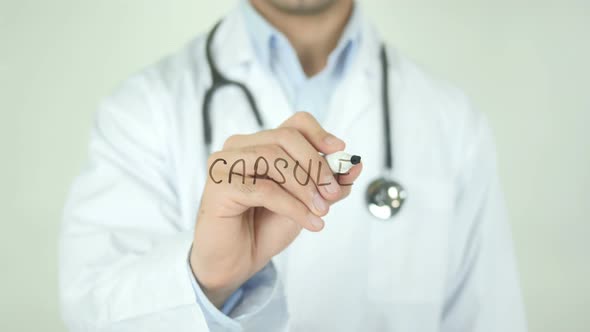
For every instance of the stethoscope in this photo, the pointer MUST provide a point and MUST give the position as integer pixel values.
(384, 196)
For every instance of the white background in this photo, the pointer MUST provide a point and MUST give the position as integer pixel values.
(524, 63)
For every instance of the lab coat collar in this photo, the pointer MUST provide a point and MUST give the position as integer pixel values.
(232, 46)
(232, 49)
(271, 45)
(361, 87)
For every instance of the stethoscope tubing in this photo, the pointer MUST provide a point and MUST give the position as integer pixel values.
(218, 81)
(379, 194)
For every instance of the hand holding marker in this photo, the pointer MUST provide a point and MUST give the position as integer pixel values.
(246, 224)
(341, 162)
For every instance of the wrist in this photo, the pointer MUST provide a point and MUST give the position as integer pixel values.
(217, 288)
(217, 297)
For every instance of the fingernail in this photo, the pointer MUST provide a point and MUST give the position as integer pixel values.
(333, 187)
(319, 203)
(316, 221)
(332, 140)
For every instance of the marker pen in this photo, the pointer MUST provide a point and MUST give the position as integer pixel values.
(341, 162)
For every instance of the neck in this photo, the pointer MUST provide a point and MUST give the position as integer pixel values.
(312, 36)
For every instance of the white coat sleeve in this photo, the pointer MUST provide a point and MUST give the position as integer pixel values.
(124, 247)
(483, 287)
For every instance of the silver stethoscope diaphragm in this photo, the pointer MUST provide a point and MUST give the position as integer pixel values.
(385, 198)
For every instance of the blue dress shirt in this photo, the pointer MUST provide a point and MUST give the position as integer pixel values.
(310, 94)
(275, 53)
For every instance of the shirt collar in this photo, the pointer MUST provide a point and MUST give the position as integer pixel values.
(265, 38)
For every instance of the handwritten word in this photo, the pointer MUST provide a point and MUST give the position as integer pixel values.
(238, 168)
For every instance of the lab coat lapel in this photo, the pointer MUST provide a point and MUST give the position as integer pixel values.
(273, 103)
(237, 60)
(360, 89)
(231, 45)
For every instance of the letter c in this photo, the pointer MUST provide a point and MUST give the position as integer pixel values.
(211, 169)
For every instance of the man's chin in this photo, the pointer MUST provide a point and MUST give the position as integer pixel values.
(302, 7)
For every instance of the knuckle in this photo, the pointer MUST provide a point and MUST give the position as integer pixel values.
(250, 150)
(319, 132)
(214, 157)
(287, 134)
(277, 151)
(268, 151)
(231, 141)
(303, 116)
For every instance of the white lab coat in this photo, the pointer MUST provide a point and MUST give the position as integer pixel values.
(445, 263)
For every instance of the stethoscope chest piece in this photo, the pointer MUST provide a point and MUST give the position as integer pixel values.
(385, 198)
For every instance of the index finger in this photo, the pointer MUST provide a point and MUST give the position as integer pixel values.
(310, 128)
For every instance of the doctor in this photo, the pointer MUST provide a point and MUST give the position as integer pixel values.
(151, 242)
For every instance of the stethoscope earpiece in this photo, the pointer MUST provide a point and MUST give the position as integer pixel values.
(385, 198)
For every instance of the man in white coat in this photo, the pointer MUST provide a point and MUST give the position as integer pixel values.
(157, 237)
